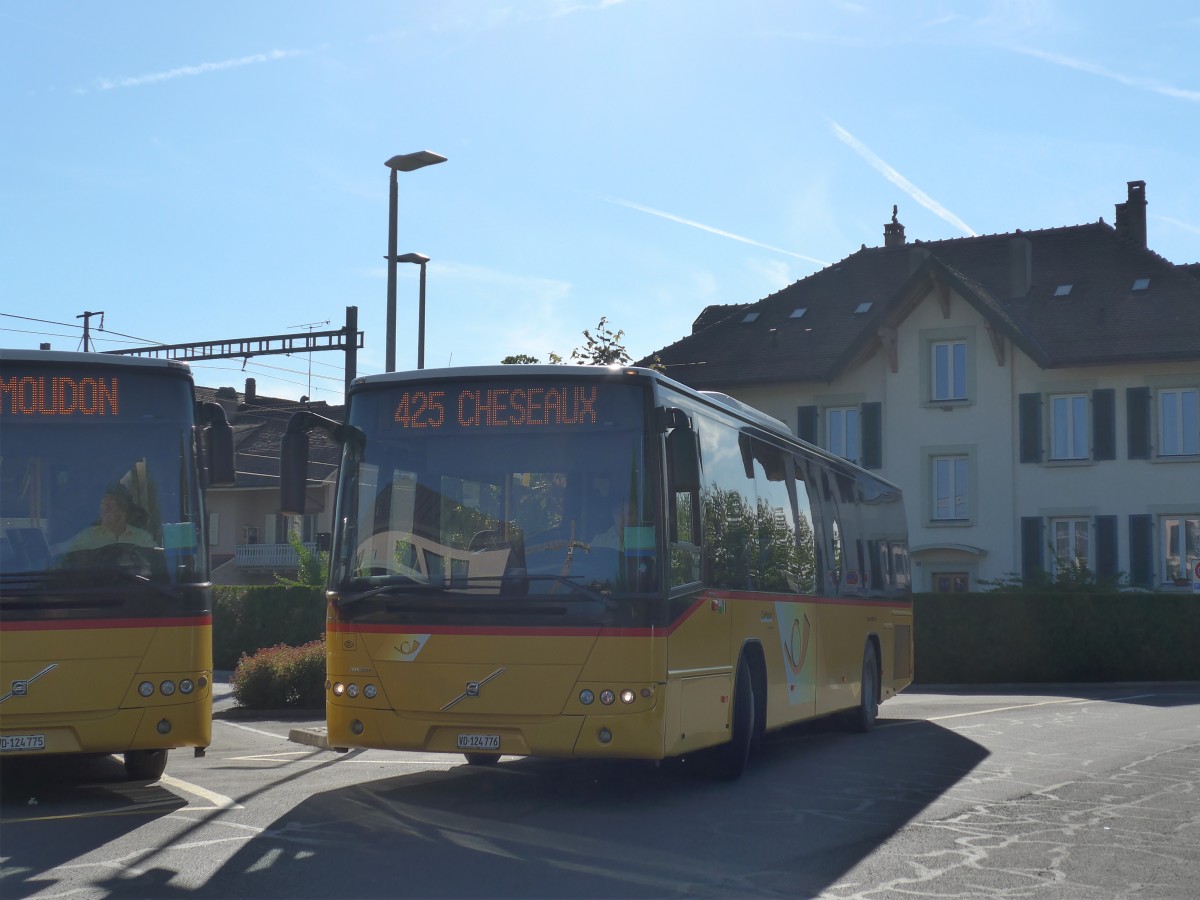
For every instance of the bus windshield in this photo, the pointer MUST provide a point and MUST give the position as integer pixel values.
(523, 488)
(98, 490)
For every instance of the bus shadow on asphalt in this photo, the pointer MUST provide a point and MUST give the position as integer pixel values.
(813, 803)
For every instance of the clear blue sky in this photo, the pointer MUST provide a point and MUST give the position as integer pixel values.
(204, 171)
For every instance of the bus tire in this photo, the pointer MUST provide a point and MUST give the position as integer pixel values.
(145, 765)
(862, 718)
(728, 761)
(482, 759)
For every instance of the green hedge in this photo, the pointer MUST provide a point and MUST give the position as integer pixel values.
(247, 619)
(998, 637)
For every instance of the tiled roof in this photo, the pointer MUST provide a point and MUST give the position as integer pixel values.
(1013, 280)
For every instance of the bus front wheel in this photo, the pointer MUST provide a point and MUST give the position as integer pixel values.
(728, 761)
(145, 765)
(482, 759)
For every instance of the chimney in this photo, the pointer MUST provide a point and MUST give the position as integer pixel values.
(893, 231)
(251, 391)
(1131, 215)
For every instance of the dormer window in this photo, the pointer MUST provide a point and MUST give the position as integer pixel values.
(749, 317)
(863, 307)
(798, 312)
(1063, 290)
(1141, 284)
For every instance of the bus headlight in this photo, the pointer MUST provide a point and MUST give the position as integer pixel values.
(586, 697)
(352, 691)
(338, 689)
(186, 686)
(167, 688)
(627, 696)
(607, 697)
(369, 691)
(146, 689)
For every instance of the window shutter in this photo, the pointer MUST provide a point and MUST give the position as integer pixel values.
(1141, 551)
(872, 435)
(806, 423)
(1137, 411)
(1031, 547)
(1030, 409)
(1104, 424)
(1106, 547)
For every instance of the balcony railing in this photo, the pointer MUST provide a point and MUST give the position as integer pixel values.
(268, 556)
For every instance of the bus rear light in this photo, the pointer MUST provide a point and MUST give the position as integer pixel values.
(628, 696)
(167, 688)
(146, 689)
(186, 686)
(164, 726)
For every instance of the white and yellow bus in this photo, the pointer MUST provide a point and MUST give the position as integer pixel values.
(569, 561)
(105, 597)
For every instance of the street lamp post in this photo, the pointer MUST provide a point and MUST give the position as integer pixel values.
(405, 162)
(421, 259)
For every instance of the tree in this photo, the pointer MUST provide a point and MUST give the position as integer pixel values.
(312, 569)
(519, 359)
(604, 348)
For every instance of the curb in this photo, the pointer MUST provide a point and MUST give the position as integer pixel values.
(311, 737)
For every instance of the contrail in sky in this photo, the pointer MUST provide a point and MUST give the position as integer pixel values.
(108, 84)
(899, 180)
(1147, 84)
(710, 229)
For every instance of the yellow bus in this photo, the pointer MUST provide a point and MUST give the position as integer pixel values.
(570, 561)
(105, 597)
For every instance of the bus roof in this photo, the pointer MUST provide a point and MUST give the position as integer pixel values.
(73, 358)
(730, 405)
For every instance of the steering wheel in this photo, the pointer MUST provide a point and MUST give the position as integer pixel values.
(145, 561)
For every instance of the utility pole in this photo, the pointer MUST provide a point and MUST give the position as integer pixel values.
(87, 318)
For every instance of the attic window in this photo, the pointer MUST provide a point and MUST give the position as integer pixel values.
(750, 317)
(863, 307)
(798, 312)
(1141, 284)
(1063, 290)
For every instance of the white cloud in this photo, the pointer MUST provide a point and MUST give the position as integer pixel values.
(109, 84)
(899, 180)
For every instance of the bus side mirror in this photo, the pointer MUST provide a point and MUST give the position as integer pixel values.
(293, 472)
(220, 453)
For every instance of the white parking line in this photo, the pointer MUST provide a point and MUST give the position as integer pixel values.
(220, 801)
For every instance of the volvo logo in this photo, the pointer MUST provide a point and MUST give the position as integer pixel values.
(20, 688)
(472, 689)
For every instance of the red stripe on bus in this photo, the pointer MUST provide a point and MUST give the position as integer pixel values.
(93, 624)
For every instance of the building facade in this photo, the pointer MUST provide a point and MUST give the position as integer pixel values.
(1035, 394)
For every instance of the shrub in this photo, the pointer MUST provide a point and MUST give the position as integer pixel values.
(281, 677)
(246, 619)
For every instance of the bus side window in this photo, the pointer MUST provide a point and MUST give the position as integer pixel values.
(684, 501)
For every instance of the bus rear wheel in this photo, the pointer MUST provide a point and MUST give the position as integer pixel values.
(145, 765)
(863, 717)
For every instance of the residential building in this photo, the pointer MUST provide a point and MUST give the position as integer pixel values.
(248, 536)
(1034, 393)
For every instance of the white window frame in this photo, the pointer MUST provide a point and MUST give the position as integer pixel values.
(945, 364)
(1180, 547)
(1178, 433)
(843, 432)
(1069, 426)
(954, 503)
(1066, 534)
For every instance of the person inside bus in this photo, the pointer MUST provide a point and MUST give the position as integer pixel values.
(614, 536)
(113, 527)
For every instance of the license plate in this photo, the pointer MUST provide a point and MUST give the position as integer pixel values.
(22, 742)
(479, 742)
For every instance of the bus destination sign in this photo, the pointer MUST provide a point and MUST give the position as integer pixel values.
(499, 407)
(59, 395)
